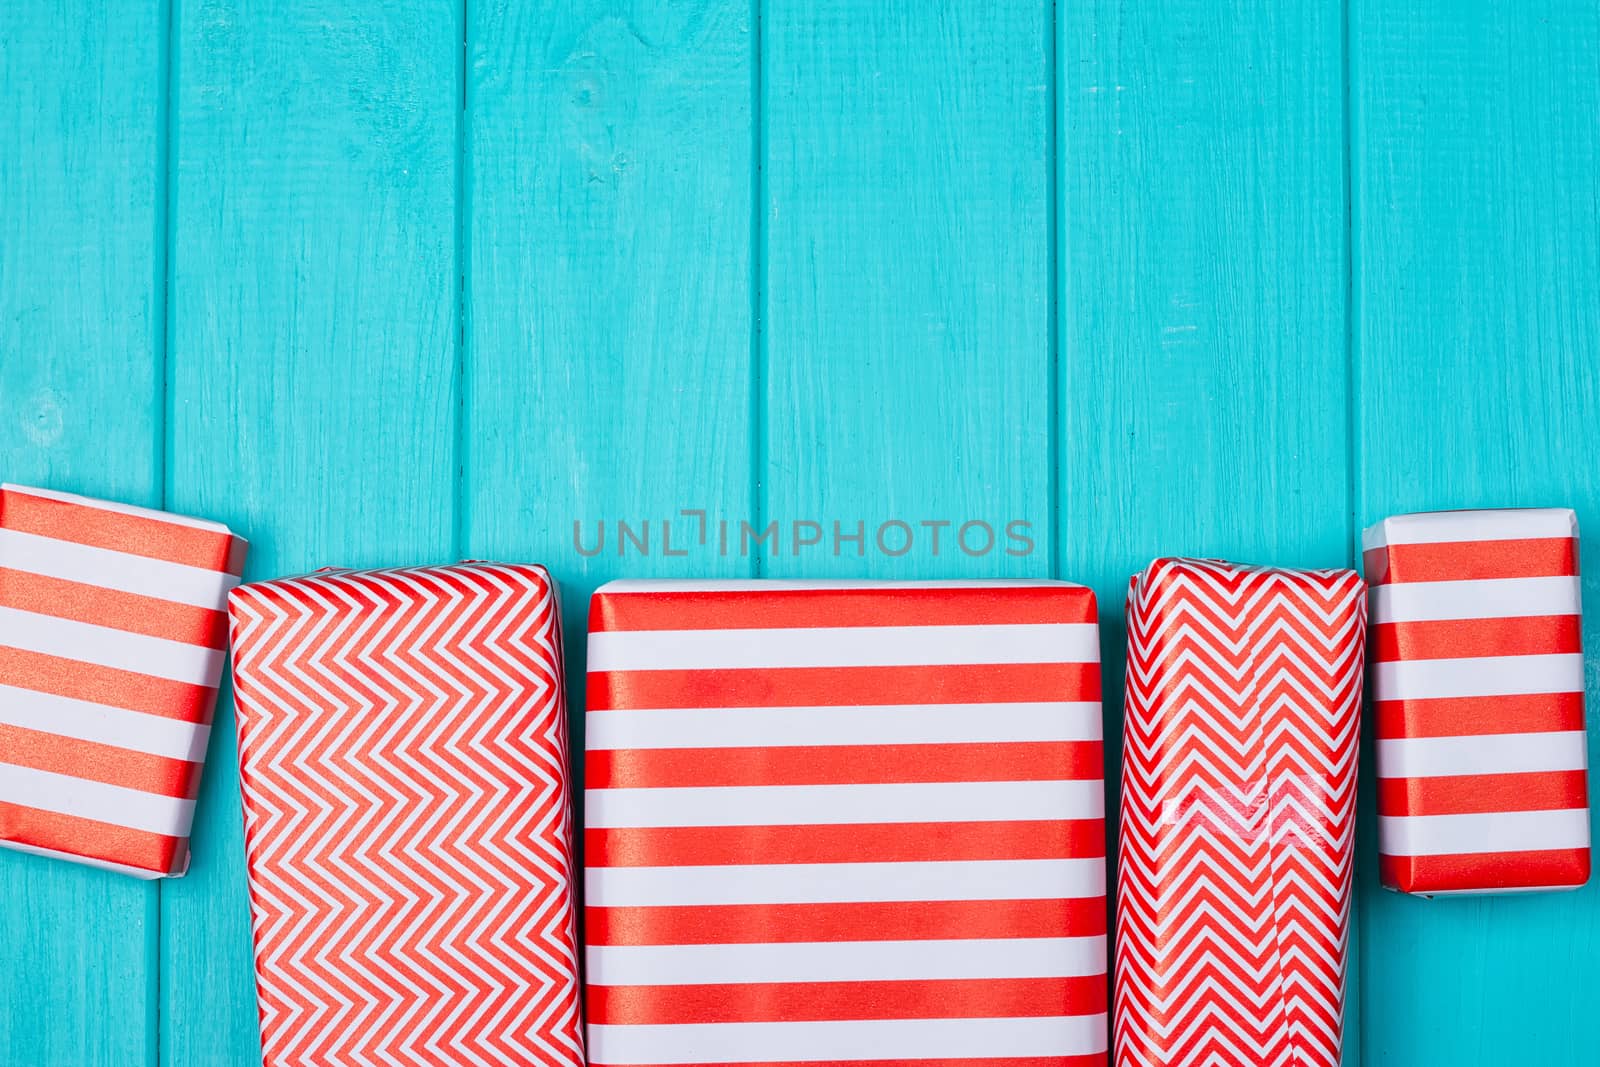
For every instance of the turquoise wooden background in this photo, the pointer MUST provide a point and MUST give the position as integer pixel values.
(400, 282)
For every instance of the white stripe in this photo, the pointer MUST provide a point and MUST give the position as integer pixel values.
(1479, 598)
(845, 883)
(1501, 831)
(66, 795)
(871, 1039)
(121, 509)
(1477, 676)
(896, 724)
(105, 647)
(1443, 527)
(769, 585)
(846, 961)
(1437, 757)
(842, 646)
(103, 724)
(121, 571)
(105, 865)
(817, 805)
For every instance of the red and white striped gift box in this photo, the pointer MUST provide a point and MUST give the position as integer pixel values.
(403, 765)
(1478, 681)
(112, 640)
(1238, 814)
(845, 822)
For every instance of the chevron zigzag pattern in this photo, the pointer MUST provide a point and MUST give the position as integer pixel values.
(402, 747)
(1238, 814)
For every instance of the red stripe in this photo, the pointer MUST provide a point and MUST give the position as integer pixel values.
(98, 763)
(1533, 635)
(1020, 761)
(887, 606)
(761, 1002)
(1487, 871)
(790, 687)
(106, 685)
(692, 846)
(1452, 561)
(92, 839)
(1474, 793)
(136, 535)
(100, 606)
(748, 924)
(1470, 716)
(1096, 1059)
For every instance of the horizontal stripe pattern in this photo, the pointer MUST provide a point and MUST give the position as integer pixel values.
(844, 822)
(112, 640)
(1477, 671)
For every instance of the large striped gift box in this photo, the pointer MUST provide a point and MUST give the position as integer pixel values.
(403, 762)
(112, 640)
(1238, 814)
(845, 823)
(1478, 680)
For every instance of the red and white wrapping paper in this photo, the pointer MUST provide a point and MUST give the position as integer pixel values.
(844, 823)
(402, 758)
(1238, 814)
(1478, 681)
(112, 639)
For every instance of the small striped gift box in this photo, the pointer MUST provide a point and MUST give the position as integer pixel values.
(1478, 681)
(845, 822)
(113, 632)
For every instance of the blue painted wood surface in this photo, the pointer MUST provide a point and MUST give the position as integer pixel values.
(392, 283)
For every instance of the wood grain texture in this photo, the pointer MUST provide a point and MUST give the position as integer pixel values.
(314, 340)
(1203, 378)
(607, 290)
(906, 328)
(1476, 193)
(82, 170)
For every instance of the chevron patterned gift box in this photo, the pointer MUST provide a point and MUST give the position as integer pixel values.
(402, 757)
(1238, 814)
(112, 640)
(1478, 679)
(844, 823)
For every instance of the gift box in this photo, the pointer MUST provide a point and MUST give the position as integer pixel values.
(1478, 684)
(113, 633)
(1238, 814)
(845, 822)
(402, 760)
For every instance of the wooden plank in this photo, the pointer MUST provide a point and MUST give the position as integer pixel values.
(608, 289)
(1203, 377)
(82, 120)
(907, 286)
(1477, 283)
(315, 294)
